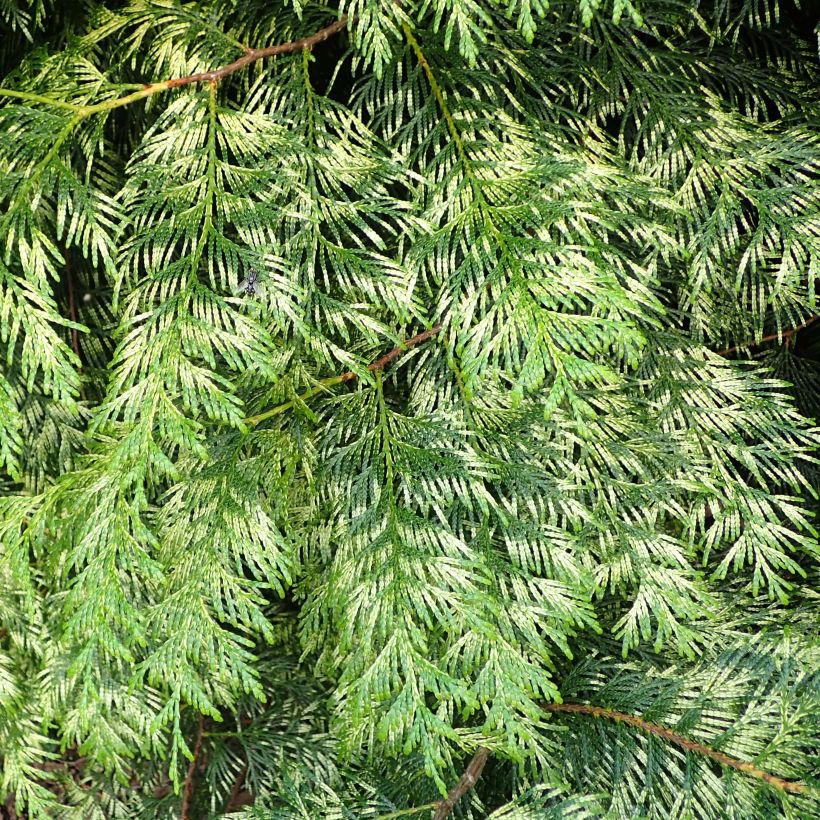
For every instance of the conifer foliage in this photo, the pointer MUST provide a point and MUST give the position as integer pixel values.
(402, 412)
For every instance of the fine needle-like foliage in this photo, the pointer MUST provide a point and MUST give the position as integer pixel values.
(407, 409)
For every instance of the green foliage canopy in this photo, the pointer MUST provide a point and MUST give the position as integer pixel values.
(244, 549)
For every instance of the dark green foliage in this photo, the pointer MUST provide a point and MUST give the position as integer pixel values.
(242, 572)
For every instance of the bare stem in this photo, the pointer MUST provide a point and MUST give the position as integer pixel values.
(148, 89)
(771, 338)
(230, 804)
(468, 780)
(679, 740)
(255, 54)
(378, 365)
(188, 786)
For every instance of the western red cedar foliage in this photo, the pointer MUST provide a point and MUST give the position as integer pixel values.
(406, 409)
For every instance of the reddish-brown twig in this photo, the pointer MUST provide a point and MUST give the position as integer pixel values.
(148, 89)
(679, 740)
(255, 54)
(468, 780)
(379, 364)
(188, 786)
(771, 338)
(232, 804)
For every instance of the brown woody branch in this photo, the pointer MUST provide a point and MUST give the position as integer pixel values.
(473, 772)
(468, 780)
(188, 786)
(233, 803)
(255, 54)
(148, 89)
(379, 364)
(683, 742)
(771, 338)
